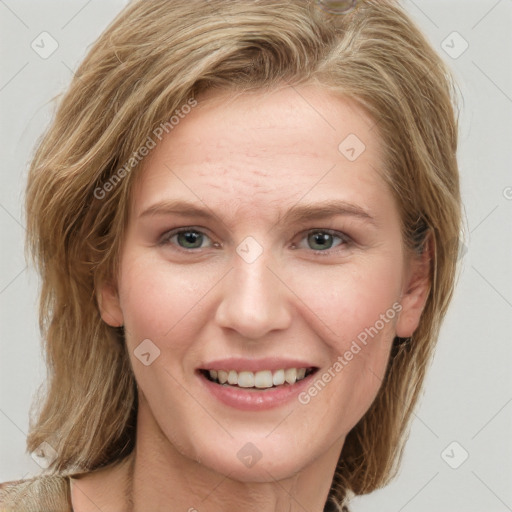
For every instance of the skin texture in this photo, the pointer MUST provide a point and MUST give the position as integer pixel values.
(249, 158)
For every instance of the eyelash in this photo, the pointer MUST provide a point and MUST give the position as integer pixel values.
(165, 239)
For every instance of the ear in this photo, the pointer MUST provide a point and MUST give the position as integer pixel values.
(416, 289)
(109, 306)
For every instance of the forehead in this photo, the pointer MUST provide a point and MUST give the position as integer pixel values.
(266, 149)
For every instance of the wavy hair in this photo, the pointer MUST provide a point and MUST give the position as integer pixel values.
(150, 61)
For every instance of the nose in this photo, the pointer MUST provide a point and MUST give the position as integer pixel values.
(254, 300)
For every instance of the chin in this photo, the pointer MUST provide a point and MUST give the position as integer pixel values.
(258, 461)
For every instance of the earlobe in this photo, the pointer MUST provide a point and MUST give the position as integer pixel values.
(416, 290)
(108, 303)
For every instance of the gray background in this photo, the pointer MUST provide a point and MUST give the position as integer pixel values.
(468, 395)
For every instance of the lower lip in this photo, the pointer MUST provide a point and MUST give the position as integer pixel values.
(251, 400)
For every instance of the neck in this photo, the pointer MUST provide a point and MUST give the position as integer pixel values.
(161, 475)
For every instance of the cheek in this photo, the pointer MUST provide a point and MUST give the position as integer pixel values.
(157, 299)
(347, 302)
(355, 315)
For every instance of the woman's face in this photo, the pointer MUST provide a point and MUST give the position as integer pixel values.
(263, 238)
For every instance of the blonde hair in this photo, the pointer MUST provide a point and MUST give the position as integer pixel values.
(153, 58)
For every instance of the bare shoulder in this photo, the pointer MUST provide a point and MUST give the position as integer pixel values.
(45, 493)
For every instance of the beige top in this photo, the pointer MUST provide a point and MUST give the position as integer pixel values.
(39, 494)
(60, 493)
(52, 493)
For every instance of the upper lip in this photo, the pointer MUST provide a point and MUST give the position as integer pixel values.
(254, 365)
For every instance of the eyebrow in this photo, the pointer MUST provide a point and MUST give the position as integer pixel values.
(296, 214)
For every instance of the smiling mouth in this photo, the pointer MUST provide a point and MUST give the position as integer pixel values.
(265, 379)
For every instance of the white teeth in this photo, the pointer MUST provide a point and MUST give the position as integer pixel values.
(278, 378)
(246, 379)
(262, 379)
(232, 377)
(290, 375)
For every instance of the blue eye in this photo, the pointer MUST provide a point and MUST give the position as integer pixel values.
(320, 241)
(185, 238)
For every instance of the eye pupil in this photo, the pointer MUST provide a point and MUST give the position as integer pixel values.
(323, 240)
(317, 240)
(190, 237)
